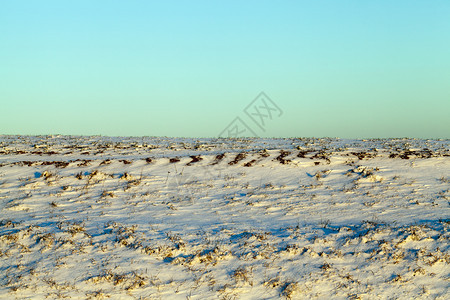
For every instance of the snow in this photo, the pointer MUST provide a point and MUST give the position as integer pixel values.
(99, 217)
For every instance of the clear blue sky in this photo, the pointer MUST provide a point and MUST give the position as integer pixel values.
(188, 68)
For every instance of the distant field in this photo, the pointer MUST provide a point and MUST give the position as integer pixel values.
(175, 218)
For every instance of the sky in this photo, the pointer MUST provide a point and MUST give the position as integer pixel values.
(349, 69)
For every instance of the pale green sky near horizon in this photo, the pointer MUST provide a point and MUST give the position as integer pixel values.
(347, 69)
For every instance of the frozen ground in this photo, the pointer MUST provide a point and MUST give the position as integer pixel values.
(166, 218)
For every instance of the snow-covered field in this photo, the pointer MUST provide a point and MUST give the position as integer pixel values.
(172, 218)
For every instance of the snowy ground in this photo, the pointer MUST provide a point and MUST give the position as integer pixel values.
(166, 218)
